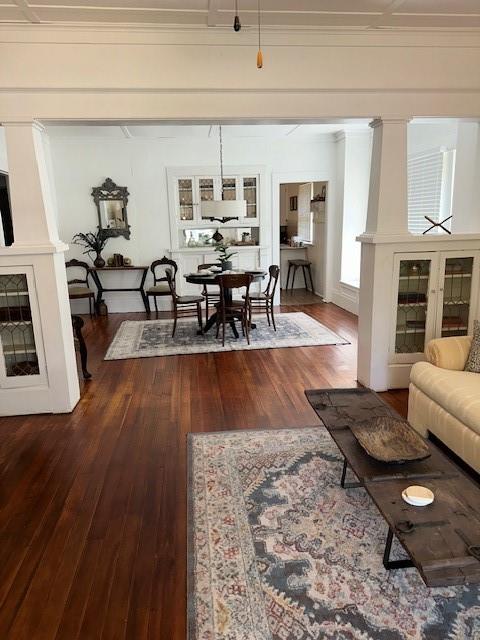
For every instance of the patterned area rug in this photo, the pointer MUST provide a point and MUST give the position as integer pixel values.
(278, 551)
(148, 338)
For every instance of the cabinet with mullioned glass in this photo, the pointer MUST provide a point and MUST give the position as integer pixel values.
(436, 295)
(21, 362)
(192, 191)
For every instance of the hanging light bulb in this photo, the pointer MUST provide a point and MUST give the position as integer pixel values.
(259, 52)
(236, 21)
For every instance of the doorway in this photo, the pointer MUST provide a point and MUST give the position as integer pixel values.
(302, 237)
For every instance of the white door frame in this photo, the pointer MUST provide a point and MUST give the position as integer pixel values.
(302, 177)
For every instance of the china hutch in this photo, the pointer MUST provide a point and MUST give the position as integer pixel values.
(193, 227)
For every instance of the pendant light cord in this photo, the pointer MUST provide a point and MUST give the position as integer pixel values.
(221, 159)
(258, 6)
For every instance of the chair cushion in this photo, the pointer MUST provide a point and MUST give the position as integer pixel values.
(257, 296)
(458, 392)
(80, 291)
(189, 299)
(299, 263)
(159, 288)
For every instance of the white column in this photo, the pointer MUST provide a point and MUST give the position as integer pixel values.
(34, 221)
(387, 202)
(387, 216)
(36, 244)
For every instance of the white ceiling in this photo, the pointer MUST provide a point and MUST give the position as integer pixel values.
(416, 14)
(171, 132)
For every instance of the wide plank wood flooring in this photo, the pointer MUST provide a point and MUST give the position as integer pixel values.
(93, 504)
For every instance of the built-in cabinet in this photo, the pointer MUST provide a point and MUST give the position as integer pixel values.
(191, 191)
(436, 295)
(22, 362)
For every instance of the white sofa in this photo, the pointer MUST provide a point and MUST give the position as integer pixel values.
(445, 400)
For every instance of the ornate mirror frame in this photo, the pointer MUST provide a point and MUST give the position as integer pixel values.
(109, 191)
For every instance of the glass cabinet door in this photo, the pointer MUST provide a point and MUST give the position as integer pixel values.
(206, 189)
(229, 189)
(185, 198)
(16, 329)
(412, 305)
(250, 195)
(457, 293)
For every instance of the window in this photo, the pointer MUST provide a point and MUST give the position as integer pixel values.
(430, 188)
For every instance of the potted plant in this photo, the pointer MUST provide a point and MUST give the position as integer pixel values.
(92, 243)
(225, 255)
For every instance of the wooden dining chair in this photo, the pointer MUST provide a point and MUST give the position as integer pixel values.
(263, 301)
(228, 310)
(210, 292)
(78, 288)
(183, 306)
(160, 283)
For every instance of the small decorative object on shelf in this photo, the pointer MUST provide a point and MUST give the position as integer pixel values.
(437, 225)
(127, 262)
(225, 255)
(217, 236)
(92, 243)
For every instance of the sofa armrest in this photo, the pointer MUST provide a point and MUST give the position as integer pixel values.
(449, 353)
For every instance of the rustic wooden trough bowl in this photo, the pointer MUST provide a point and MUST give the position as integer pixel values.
(391, 440)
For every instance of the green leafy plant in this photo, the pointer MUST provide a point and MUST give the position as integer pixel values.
(225, 253)
(91, 242)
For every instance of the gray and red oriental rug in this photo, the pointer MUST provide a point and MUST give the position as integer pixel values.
(278, 551)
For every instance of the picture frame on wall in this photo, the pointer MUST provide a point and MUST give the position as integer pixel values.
(293, 203)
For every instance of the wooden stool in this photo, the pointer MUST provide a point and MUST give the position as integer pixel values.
(306, 266)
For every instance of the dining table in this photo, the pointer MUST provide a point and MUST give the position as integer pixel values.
(209, 279)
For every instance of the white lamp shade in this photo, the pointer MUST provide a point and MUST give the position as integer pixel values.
(223, 208)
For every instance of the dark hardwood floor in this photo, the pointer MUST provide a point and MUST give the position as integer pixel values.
(93, 504)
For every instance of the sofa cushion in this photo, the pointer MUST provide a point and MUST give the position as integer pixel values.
(473, 360)
(449, 353)
(458, 392)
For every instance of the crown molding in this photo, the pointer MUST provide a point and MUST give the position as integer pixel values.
(303, 37)
(246, 90)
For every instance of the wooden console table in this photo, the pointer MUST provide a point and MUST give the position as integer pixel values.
(95, 271)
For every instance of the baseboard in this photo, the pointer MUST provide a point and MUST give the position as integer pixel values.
(346, 298)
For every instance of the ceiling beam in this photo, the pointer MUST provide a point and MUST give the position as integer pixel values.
(213, 18)
(27, 11)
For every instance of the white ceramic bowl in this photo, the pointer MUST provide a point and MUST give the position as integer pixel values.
(418, 496)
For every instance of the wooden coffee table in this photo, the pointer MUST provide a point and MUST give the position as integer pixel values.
(437, 545)
(442, 531)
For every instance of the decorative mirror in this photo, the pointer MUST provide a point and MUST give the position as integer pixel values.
(111, 201)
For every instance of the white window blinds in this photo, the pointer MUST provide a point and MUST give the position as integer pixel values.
(430, 178)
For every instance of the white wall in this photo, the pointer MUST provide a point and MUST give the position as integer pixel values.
(358, 154)
(353, 175)
(80, 164)
(3, 152)
(464, 137)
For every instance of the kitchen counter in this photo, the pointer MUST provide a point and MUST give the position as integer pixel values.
(287, 247)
